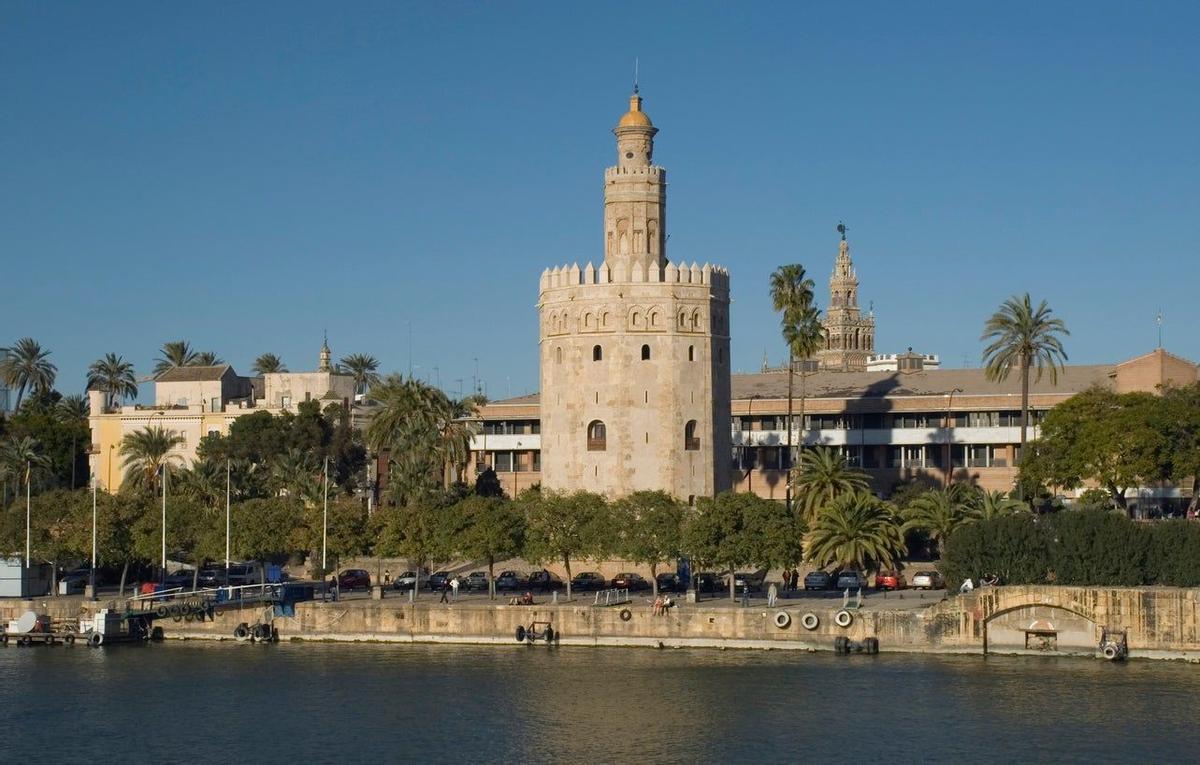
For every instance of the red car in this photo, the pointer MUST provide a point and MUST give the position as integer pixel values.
(354, 579)
(890, 580)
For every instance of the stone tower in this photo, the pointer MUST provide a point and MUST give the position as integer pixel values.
(324, 358)
(849, 336)
(635, 353)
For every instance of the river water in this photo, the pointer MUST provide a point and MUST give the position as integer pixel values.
(313, 702)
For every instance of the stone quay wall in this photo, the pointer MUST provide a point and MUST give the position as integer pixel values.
(1156, 622)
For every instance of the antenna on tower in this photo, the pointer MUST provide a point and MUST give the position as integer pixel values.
(1159, 320)
(635, 75)
(841, 229)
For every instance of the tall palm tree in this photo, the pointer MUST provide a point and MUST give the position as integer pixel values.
(177, 353)
(297, 474)
(204, 482)
(792, 296)
(113, 375)
(1022, 337)
(207, 359)
(856, 530)
(268, 363)
(25, 366)
(940, 512)
(364, 368)
(146, 453)
(421, 428)
(822, 476)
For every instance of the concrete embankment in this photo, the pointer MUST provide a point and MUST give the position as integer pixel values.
(1155, 622)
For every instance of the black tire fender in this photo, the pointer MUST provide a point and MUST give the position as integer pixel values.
(95, 639)
(549, 634)
(626, 614)
(68, 639)
(520, 634)
(241, 632)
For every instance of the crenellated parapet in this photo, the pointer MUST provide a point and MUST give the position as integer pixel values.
(652, 173)
(571, 275)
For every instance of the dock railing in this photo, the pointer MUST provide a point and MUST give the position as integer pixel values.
(613, 597)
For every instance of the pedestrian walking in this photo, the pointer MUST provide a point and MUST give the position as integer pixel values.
(445, 592)
(772, 594)
(795, 580)
(745, 595)
(387, 577)
(454, 585)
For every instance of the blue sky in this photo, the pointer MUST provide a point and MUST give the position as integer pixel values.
(248, 175)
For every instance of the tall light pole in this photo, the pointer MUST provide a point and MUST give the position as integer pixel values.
(325, 521)
(949, 436)
(28, 510)
(164, 523)
(93, 574)
(228, 473)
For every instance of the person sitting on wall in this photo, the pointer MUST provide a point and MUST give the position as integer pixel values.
(658, 606)
(966, 586)
(527, 598)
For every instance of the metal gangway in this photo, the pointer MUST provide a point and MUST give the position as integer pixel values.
(613, 597)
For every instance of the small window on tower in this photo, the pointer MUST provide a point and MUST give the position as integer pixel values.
(597, 436)
(597, 353)
(691, 353)
(629, 155)
(558, 355)
(691, 442)
(645, 353)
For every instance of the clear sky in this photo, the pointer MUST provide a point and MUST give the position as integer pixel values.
(247, 175)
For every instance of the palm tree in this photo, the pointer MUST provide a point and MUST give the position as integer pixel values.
(177, 353)
(942, 511)
(23, 457)
(268, 363)
(856, 530)
(24, 366)
(147, 452)
(364, 368)
(296, 473)
(792, 296)
(113, 375)
(422, 430)
(992, 504)
(206, 359)
(1023, 338)
(822, 476)
(72, 409)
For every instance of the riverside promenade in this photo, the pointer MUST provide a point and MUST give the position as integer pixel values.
(1161, 623)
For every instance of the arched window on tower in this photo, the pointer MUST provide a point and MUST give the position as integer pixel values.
(645, 353)
(597, 353)
(691, 442)
(558, 355)
(597, 436)
(691, 353)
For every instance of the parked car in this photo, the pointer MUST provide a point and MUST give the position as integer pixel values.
(705, 582)
(476, 580)
(818, 580)
(850, 580)
(180, 580)
(354, 579)
(211, 576)
(510, 580)
(630, 581)
(74, 582)
(406, 581)
(244, 573)
(747, 578)
(928, 580)
(437, 579)
(588, 580)
(890, 580)
(669, 582)
(544, 580)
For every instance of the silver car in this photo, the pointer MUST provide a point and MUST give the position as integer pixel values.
(927, 580)
(851, 580)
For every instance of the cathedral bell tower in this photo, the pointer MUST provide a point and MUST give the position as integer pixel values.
(849, 336)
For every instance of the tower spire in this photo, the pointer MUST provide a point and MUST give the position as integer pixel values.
(635, 76)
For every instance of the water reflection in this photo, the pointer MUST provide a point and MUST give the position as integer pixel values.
(327, 703)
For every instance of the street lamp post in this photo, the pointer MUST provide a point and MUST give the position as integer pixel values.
(325, 521)
(949, 436)
(28, 510)
(228, 473)
(93, 572)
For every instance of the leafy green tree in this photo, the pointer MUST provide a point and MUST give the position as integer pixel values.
(1179, 421)
(113, 375)
(739, 529)
(650, 529)
(25, 460)
(268, 363)
(856, 530)
(1024, 339)
(565, 527)
(63, 439)
(146, 453)
(821, 476)
(270, 529)
(364, 369)
(493, 529)
(487, 484)
(800, 323)
(940, 512)
(25, 366)
(1102, 436)
(1173, 555)
(420, 532)
(177, 353)
(1097, 548)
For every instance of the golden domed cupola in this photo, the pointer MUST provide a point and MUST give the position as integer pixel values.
(635, 135)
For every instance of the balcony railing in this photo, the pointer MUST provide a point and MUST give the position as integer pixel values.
(691, 444)
(597, 444)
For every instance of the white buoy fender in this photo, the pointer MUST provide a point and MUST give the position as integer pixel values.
(843, 618)
(782, 619)
(810, 621)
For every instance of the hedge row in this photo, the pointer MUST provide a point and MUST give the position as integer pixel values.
(1075, 548)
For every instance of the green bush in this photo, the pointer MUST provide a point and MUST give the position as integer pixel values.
(1092, 547)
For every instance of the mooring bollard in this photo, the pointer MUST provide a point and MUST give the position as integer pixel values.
(554, 597)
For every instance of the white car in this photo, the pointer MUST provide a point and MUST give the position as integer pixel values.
(406, 581)
(927, 580)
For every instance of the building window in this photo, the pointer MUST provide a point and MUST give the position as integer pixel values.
(503, 462)
(597, 353)
(537, 462)
(597, 436)
(645, 353)
(558, 355)
(691, 353)
(691, 442)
